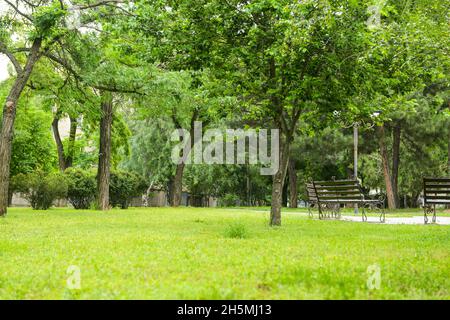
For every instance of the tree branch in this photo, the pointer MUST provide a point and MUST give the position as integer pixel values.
(116, 89)
(16, 9)
(66, 65)
(98, 4)
(11, 57)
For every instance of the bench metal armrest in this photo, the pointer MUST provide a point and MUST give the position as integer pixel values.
(380, 198)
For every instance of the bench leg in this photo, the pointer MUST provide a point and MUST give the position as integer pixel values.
(310, 213)
(329, 211)
(319, 207)
(434, 214)
(335, 211)
(429, 209)
(339, 213)
(383, 216)
(380, 208)
(363, 214)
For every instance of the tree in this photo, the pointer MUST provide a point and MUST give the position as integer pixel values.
(180, 90)
(44, 27)
(405, 53)
(96, 68)
(9, 115)
(61, 94)
(281, 59)
(104, 158)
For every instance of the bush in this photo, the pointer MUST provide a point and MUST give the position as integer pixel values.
(124, 186)
(40, 188)
(82, 187)
(228, 200)
(236, 230)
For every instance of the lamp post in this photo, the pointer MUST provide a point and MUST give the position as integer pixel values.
(356, 125)
(355, 156)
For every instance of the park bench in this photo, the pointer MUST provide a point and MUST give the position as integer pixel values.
(329, 196)
(436, 191)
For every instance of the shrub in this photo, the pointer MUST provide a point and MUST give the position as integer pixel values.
(123, 187)
(82, 187)
(229, 200)
(236, 230)
(40, 188)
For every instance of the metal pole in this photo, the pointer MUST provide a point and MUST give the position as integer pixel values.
(355, 156)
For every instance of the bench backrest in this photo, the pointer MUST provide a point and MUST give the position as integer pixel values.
(311, 192)
(436, 190)
(338, 190)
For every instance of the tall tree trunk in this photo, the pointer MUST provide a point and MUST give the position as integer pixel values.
(9, 116)
(104, 159)
(59, 144)
(396, 134)
(448, 159)
(448, 155)
(385, 164)
(287, 130)
(278, 183)
(293, 193)
(176, 187)
(71, 145)
(248, 188)
(10, 198)
(65, 160)
(285, 196)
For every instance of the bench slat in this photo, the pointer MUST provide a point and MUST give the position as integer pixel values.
(353, 187)
(325, 192)
(437, 201)
(436, 180)
(335, 183)
(438, 197)
(345, 201)
(343, 198)
(430, 191)
(437, 186)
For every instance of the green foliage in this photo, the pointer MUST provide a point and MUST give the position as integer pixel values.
(47, 19)
(237, 230)
(39, 188)
(228, 200)
(151, 150)
(82, 187)
(120, 137)
(85, 151)
(123, 187)
(33, 146)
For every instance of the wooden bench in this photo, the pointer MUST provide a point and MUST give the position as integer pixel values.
(331, 195)
(436, 191)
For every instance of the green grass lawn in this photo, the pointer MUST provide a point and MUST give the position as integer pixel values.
(187, 253)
